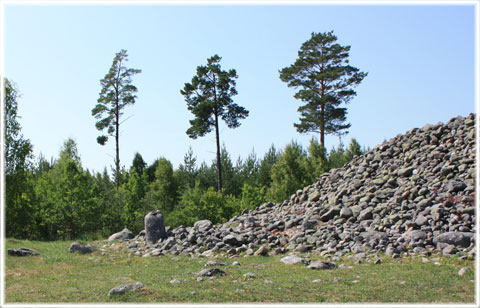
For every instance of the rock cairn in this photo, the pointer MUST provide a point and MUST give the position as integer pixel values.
(413, 192)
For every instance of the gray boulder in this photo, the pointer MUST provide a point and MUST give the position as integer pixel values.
(202, 225)
(405, 172)
(129, 287)
(125, 234)
(374, 235)
(365, 214)
(22, 252)
(346, 212)
(81, 248)
(455, 186)
(415, 235)
(331, 213)
(262, 251)
(462, 239)
(211, 272)
(292, 260)
(321, 265)
(230, 239)
(154, 227)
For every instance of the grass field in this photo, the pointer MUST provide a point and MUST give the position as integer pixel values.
(57, 276)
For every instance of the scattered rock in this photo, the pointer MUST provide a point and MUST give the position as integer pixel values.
(262, 251)
(321, 265)
(174, 281)
(211, 272)
(249, 275)
(213, 263)
(293, 260)
(129, 287)
(125, 234)
(22, 252)
(464, 270)
(81, 248)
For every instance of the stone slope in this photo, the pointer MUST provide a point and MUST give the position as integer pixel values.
(413, 192)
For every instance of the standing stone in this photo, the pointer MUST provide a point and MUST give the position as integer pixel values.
(154, 227)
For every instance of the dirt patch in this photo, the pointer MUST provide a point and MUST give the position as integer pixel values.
(23, 274)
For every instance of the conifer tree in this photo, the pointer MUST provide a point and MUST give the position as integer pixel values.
(209, 98)
(326, 80)
(117, 93)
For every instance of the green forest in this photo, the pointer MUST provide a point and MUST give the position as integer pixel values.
(57, 198)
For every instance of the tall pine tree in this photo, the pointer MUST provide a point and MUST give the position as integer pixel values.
(326, 80)
(209, 98)
(117, 93)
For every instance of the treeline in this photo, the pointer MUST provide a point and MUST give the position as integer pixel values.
(59, 199)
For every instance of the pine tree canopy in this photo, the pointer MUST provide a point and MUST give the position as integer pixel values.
(117, 92)
(325, 81)
(209, 95)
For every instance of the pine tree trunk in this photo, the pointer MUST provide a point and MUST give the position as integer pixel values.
(117, 125)
(322, 125)
(217, 135)
(117, 152)
(219, 162)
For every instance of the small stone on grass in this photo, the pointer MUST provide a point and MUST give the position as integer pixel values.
(464, 270)
(249, 275)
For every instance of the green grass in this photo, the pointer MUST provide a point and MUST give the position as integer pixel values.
(57, 276)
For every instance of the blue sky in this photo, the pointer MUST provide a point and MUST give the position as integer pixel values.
(420, 62)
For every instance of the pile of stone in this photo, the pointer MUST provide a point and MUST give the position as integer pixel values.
(415, 192)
